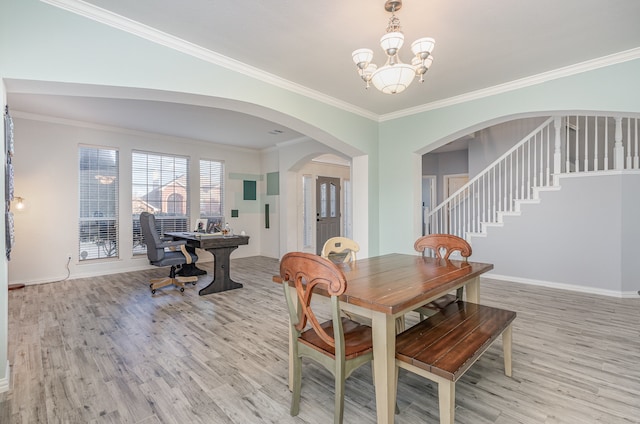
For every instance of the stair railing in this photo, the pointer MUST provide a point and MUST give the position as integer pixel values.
(571, 144)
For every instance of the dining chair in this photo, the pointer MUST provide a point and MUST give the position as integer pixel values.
(338, 246)
(339, 344)
(442, 246)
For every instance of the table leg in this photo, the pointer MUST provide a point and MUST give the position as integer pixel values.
(294, 295)
(384, 364)
(473, 290)
(221, 279)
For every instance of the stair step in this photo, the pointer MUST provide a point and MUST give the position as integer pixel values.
(507, 213)
(491, 224)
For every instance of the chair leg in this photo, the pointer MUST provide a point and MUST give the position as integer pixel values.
(506, 348)
(297, 385)
(447, 401)
(395, 395)
(459, 293)
(339, 389)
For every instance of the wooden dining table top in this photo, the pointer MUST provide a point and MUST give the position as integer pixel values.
(396, 282)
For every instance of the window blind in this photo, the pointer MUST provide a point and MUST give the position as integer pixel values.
(98, 203)
(160, 185)
(211, 188)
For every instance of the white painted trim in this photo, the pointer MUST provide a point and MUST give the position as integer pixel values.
(597, 173)
(146, 32)
(136, 28)
(563, 286)
(567, 71)
(4, 382)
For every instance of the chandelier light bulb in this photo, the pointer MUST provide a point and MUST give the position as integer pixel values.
(394, 77)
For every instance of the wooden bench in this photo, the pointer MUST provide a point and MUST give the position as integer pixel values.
(445, 345)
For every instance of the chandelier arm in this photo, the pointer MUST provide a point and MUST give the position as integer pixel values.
(394, 76)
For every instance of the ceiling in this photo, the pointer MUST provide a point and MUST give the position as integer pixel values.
(480, 45)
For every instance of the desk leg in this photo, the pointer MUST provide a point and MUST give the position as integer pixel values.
(384, 365)
(473, 290)
(221, 279)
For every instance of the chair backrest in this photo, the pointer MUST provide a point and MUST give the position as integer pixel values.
(308, 272)
(340, 245)
(151, 237)
(443, 245)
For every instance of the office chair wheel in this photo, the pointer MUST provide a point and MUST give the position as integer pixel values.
(153, 291)
(181, 289)
(194, 283)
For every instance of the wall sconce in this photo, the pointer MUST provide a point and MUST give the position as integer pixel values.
(20, 204)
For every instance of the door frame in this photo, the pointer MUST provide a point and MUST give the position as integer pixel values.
(434, 199)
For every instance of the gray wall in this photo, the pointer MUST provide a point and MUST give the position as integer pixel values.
(441, 164)
(490, 143)
(582, 237)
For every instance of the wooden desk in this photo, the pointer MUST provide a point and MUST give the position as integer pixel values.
(221, 248)
(386, 287)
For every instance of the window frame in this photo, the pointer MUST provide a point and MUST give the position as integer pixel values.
(98, 203)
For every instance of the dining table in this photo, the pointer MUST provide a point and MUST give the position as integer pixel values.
(385, 288)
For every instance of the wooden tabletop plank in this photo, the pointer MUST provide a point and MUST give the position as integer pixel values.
(392, 283)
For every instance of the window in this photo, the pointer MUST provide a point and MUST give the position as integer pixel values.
(98, 198)
(308, 216)
(211, 189)
(347, 220)
(160, 185)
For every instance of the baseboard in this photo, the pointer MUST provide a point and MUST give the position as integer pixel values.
(562, 286)
(4, 382)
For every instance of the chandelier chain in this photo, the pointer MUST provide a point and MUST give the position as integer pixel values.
(394, 23)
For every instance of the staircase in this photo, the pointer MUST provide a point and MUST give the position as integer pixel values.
(562, 145)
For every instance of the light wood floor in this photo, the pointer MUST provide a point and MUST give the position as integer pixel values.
(103, 350)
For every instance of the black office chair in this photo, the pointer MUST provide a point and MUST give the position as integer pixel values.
(159, 255)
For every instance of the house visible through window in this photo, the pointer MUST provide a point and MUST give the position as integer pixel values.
(160, 185)
(212, 190)
(98, 198)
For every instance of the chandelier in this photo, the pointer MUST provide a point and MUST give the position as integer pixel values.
(394, 76)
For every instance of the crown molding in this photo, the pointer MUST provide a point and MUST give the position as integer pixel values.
(567, 71)
(146, 32)
(106, 17)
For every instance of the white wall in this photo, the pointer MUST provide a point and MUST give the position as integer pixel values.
(292, 158)
(4, 299)
(270, 237)
(316, 169)
(580, 237)
(46, 163)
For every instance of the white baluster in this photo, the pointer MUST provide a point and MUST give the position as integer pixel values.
(618, 149)
(628, 143)
(548, 162)
(557, 143)
(595, 147)
(586, 144)
(532, 163)
(567, 147)
(606, 143)
(635, 158)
